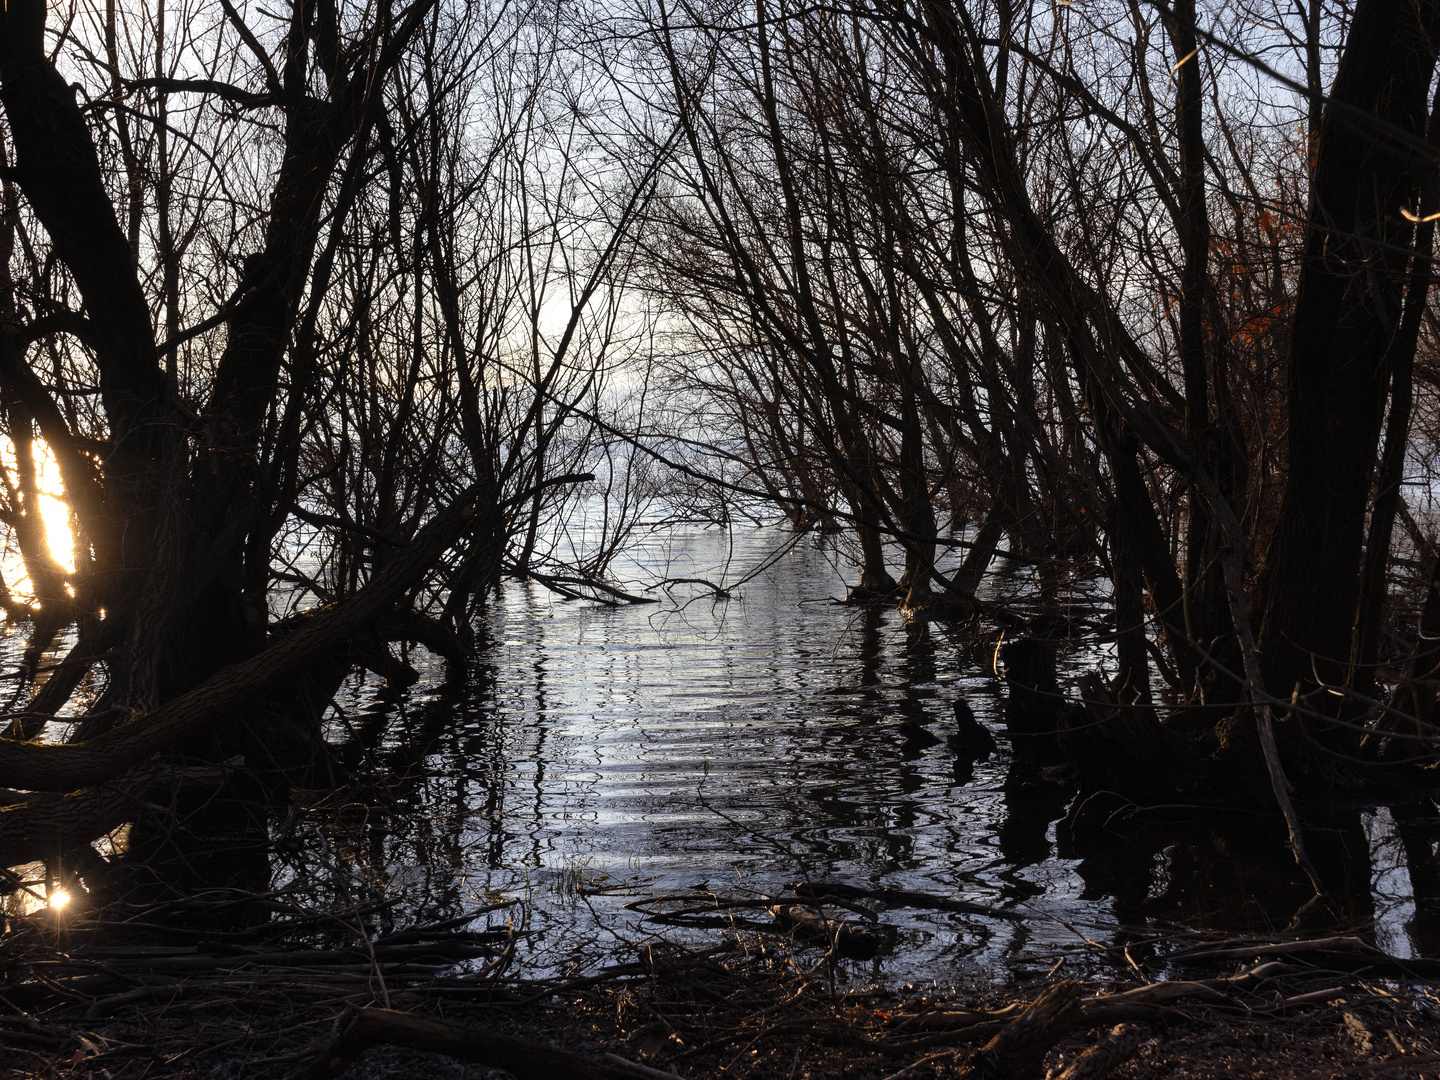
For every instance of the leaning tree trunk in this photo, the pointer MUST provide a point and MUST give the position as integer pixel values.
(1347, 307)
(116, 769)
(1401, 357)
(58, 171)
(184, 633)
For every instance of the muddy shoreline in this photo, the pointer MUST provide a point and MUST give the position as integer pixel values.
(98, 998)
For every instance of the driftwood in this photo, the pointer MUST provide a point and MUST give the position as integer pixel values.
(1230, 950)
(1018, 1052)
(805, 921)
(1106, 1056)
(900, 898)
(522, 1058)
(1151, 1002)
(673, 1006)
(855, 940)
(704, 910)
(813, 894)
(1350, 954)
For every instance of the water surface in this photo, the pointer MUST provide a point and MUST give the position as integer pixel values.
(597, 755)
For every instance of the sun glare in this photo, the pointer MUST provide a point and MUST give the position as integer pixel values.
(59, 898)
(53, 510)
(54, 514)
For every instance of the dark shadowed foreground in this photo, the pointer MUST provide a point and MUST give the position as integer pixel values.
(748, 1006)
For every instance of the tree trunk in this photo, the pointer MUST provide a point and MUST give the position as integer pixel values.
(58, 171)
(1033, 700)
(1204, 615)
(1346, 313)
(1374, 584)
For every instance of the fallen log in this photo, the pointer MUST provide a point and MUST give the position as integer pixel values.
(1018, 1051)
(34, 823)
(900, 898)
(854, 940)
(1100, 1060)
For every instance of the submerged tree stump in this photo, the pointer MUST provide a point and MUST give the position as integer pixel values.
(1124, 748)
(1033, 702)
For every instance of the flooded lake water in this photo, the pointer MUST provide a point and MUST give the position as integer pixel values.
(596, 756)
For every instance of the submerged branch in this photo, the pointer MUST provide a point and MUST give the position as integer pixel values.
(64, 768)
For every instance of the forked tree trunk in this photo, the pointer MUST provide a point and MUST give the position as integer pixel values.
(1345, 319)
(1374, 578)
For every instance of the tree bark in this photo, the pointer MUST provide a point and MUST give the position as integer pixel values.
(1346, 313)
(1401, 360)
(58, 171)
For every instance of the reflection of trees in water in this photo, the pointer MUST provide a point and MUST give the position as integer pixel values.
(1417, 827)
(1031, 806)
(1219, 870)
(438, 797)
(427, 819)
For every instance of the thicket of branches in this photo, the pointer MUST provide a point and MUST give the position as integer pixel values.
(1132, 282)
(317, 315)
(332, 317)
